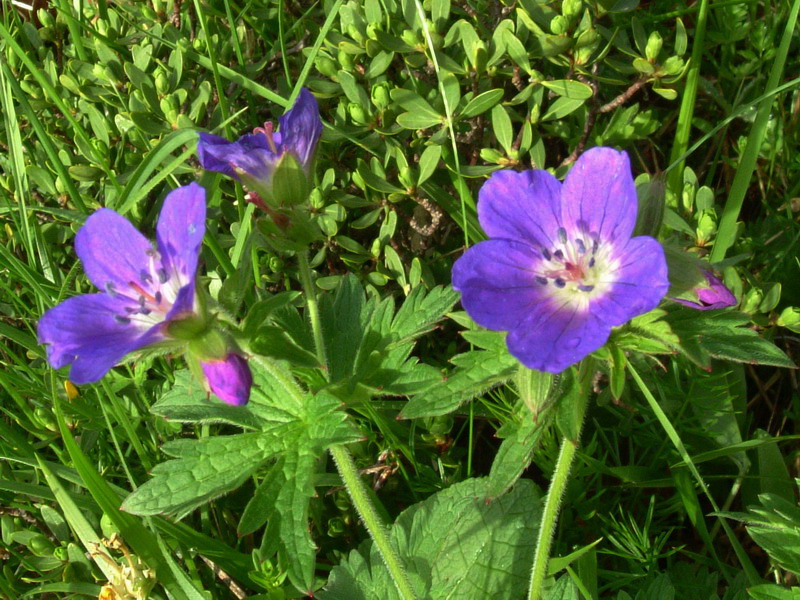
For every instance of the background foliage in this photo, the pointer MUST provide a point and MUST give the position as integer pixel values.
(421, 100)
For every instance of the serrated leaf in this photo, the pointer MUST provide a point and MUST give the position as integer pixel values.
(292, 504)
(274, 342)
(421, 310)
(564, 589)
(480, 372)
(513, 456)
(457, 523)
(204, 469)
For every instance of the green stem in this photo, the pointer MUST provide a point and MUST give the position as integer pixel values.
(313, 308)
(344, 461)
(369, 516)
(558, 484)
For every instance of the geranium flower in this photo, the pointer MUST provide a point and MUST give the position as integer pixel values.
(561, 268)
(275, 165)
(148, 293)
(713, 295)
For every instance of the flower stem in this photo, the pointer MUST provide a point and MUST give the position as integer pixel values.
(372, 521)
(552, 505)
(313, 307)
(344, 461)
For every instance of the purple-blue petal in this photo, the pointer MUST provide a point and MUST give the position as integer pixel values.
(184, 303)
(637, 284)
(555, 336)
(599, 196)
(88, 332)
(229, 379)
(180, 230)
(497, 281)
(113, 252)
(521, 206)
(300, 128)
(250, 153)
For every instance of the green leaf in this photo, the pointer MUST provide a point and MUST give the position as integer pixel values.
(481, 103)
(421, 310)
(428, 162)
(561, 107)
(568, 88)
(564, 589)
(409, 120)
(770, 591)
(479, 372)
(204, 469)
(503, 130)
(458, 523)
(274, 342)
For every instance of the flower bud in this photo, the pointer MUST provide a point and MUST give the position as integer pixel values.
(229, 379)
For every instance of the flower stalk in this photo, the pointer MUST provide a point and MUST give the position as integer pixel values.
(344, 461)
(558, 484)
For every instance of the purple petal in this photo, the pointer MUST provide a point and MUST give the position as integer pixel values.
(180, 230)
(521, 206)
(184, 303)
(250, 153)
(716, 295)
(637, 285)
(497, 281)
(599, 196)
(229, 379)
(301, 128)
(553, 337)
(89, 332)
(113, 252)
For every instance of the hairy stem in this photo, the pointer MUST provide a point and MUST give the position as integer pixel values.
(313, 308)
(552, 505)
(372, 521)
(344, 461)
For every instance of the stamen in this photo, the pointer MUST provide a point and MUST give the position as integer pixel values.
(591, 262)
(585, 288)
(581, 246)
(158, 298)
(562, 235)
(151, 252)
(142, 292)
(559, 254)
(540, 279)
(145, 277)
(110, 289)
(560, 282)
(121, 319)
(267, 131)
(162, 275)
(142, 301)
(546, 254)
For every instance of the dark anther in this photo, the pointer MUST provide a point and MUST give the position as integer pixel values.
(559, 254)
(158, 297)
(546, 254)
(591, 262)
(121, 319)
(562, 235)
(581, 246)
(560, 282)
(540, 279)
(586, 288)
(162, 276)
(110, 289)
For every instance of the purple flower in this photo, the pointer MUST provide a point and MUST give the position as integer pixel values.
(561, 268)
(229, 378)
(145, 289)
(714, 295)
(276, 166)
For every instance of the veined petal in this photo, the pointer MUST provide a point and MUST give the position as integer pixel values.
(553, 337)
(521, 206)
(90, 332)
(637, 283)
(113, 252)
(180, 230)
(599, 197)
(301, 128)
(250, 153)
(229, 379)
(184, 302)
(497, 281)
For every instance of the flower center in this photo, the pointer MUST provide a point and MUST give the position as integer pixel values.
(151, 297)
(574, 265)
